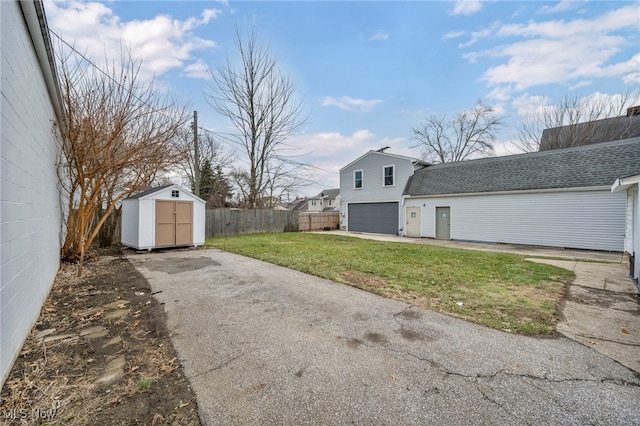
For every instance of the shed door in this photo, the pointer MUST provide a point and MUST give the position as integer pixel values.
(377, 218)
(443, 223)
(174, 223)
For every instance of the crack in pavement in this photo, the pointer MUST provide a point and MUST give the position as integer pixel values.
(222, 365)
(498, 404)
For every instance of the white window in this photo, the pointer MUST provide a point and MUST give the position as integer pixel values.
(313, 202)
(358, 182)
(175, 193)
(388, 175)
(329, 202)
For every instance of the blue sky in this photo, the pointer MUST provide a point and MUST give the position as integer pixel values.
(369, 71)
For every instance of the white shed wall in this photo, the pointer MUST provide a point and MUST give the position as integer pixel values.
(129, 234)
(579, 219)
(30, 212)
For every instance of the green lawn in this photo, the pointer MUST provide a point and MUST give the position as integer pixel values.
(498, 290)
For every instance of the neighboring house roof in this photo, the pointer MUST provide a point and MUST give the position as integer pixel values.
(413, 160)
(328, 193)
(583, 166)
(300, 205)
(330, 209)
(596, 131)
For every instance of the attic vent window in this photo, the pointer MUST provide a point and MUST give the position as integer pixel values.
(175, 193)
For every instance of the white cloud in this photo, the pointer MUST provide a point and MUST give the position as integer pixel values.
(466, 7)
(562, 6)
(583, 83)
(478, 35)
(379, 36)
(541, 56)
(453, 34)
(347, 103)
(198, 69)
(330, 151)
(531, 105)
(161, 43)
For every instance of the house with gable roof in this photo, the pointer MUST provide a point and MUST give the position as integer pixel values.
(371, 190)
(559, 198)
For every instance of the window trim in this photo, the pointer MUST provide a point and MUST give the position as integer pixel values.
(361, 179)
(393, 175)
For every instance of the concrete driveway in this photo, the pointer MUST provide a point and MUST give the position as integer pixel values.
(263, 344)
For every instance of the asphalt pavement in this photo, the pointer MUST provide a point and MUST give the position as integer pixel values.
(262, 344)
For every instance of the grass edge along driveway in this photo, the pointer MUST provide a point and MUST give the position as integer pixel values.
(498, 290)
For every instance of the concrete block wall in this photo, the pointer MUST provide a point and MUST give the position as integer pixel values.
(30, 210)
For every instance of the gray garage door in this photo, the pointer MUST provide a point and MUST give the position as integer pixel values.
(379, 218)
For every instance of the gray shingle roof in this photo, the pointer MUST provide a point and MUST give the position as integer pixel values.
(328, 193)
(148, 191)
(585, 166)
(596, 131)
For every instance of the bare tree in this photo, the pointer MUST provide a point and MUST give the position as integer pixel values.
(470, 134)
(259, 102)
(209, 150)
(576, 121)
(118, 139)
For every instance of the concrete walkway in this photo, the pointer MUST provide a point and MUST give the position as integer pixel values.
(600, 256)
(262, 344)
(602, 310)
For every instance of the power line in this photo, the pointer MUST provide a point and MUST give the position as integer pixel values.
(101, 71)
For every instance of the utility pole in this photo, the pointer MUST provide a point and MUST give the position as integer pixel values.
(196, 156)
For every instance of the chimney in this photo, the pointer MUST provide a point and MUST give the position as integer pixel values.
(633, 111)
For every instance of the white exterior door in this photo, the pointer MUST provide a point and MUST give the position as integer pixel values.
(414, 221)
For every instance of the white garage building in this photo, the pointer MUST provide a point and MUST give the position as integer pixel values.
(166, 216)
(558, 198)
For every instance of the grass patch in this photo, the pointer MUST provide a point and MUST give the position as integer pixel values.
(498, 290)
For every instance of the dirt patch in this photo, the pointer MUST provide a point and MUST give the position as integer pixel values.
(362, 280)
(99, 353)
(553, 293)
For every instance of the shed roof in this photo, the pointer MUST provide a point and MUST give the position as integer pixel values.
(152, 191)
(147, 192)
(585, 166)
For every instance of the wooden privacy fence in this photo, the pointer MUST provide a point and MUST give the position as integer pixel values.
(319, 221)
(229, 222)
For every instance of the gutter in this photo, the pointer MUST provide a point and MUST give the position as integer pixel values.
(621, 184)
(34, 17)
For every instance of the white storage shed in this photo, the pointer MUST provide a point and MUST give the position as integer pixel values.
(166, 216)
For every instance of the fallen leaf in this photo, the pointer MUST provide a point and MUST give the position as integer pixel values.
(394, 377)
(625, 331)
(137, 323)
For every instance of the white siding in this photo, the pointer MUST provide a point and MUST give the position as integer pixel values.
(635, 229)
(129, 234)
(581, 219)
(629, 228)
(30, 212)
